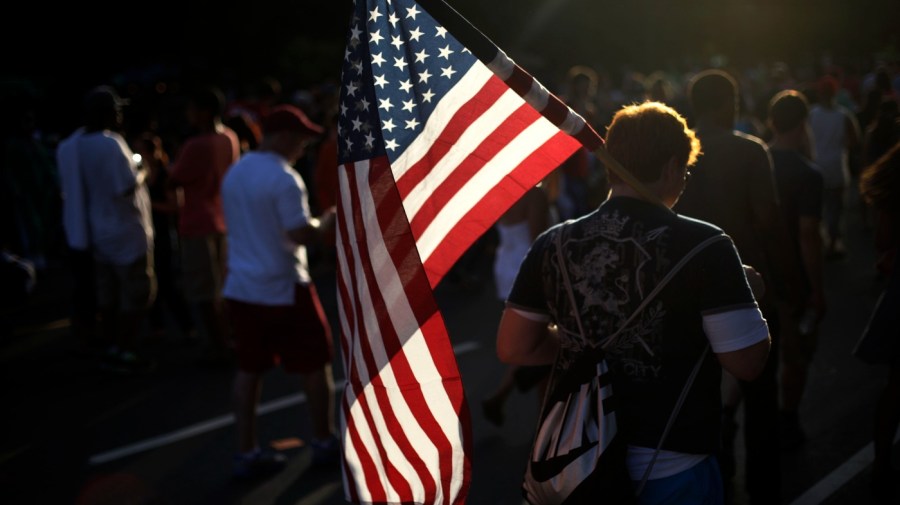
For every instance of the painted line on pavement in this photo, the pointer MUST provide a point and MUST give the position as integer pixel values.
(839, 476)
(222, 421)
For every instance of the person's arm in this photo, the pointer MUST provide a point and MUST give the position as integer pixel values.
(746, 364)
(525, 340)
(314, 229)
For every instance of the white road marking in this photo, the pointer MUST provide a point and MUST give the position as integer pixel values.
(222, 421)
(839, 476)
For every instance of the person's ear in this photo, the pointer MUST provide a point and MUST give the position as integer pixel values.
(672, 171)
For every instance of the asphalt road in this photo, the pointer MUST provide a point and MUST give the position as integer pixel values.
(73, 435)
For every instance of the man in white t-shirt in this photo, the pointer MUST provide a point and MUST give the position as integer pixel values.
(106, 212)
(835, 133)
(273, 305)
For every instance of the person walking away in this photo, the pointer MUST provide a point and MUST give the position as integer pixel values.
(835, 133)
(270, 298)
(733, 187)
(879, 185)
(800, 191)
(615, 256)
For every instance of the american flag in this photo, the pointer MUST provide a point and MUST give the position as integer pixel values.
(439, 133)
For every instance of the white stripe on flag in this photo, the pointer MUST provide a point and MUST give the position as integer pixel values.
(500, 166)
(470, 140)
(418, 355)
(467, 87)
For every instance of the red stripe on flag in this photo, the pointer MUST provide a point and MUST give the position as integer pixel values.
(417, 289)
(483, 214)
(492, 90)
(400, 246)
(492, 144)
(354, 390)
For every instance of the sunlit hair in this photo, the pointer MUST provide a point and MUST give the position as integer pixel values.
(879, 183)
(644, 137)
(787, 110)
(712, 90)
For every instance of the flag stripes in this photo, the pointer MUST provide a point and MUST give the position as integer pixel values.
(439, 133)
(398, 432)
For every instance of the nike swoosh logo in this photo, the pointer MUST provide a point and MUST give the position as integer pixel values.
(545, 470)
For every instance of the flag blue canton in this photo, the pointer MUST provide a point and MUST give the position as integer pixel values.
(398, 64)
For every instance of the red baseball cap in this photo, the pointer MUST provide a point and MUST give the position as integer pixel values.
(289, 118)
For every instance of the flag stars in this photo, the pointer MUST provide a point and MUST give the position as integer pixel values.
(363, 104)
(412, 12)
(411, 124)
(355, 33)
(388, 125)
(370, 140)
(391, 144)
(374, 15)
(377, 59)
(343, 109)
(349, 143)
(380, 81)
(357, 124)
(376, 37)
(400, 63)
(396, 42)
(416, 34)
(446, 52)
(427, 96)
(352, 87)
(393, 20)
(357, 66)
(409, 105)
(448, 72)
(424, 76)
(420, 56)
(385, 103)
(441, 32)
(405, 85)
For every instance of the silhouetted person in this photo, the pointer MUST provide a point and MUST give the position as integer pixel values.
(107, 212)
(733, 187)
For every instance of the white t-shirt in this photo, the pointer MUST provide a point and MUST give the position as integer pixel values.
(104, 206)
(263, 198)
(829, 131)
(74, 208)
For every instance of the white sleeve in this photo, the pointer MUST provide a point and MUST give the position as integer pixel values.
(735, 329)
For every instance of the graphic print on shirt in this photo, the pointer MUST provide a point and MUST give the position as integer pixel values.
(611, 270)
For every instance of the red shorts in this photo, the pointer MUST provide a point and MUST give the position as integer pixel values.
(297, 337)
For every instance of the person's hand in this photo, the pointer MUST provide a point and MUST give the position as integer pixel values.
(327, 219)
(755, 280)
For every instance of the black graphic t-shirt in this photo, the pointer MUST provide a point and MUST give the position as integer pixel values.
(615, 256)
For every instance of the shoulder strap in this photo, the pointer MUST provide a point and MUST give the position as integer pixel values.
(687, 386)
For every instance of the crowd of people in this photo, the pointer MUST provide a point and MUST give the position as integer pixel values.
(173, 202)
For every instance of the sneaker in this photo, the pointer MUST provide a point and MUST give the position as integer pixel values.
(125, 363)
(326, 453)
(259, 463)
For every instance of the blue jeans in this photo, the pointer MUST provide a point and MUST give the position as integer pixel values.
(698, 485)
